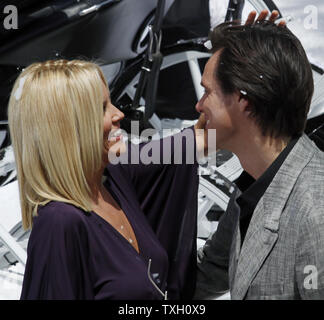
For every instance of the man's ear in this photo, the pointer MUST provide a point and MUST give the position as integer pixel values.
(244, 104)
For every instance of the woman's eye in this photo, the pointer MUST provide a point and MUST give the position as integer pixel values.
(104, 107)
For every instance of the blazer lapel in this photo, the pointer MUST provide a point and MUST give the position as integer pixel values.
(262, 233)
(256, 247)
(236, 243)
(234, 256)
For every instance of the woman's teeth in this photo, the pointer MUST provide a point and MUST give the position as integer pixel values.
(115, 136)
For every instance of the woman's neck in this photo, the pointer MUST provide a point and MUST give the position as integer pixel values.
(96, 186)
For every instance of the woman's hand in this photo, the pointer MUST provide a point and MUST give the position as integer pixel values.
(262, 16)
(201, 136)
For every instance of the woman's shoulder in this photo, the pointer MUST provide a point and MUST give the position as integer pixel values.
(60, 213)
(58, 230)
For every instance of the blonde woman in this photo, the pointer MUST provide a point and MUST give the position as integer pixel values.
(132, 237)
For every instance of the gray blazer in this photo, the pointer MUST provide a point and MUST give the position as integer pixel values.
(282, 256)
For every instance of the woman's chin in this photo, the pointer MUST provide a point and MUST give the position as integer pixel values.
(113, 151)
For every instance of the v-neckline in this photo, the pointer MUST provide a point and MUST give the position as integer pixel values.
(115, 197)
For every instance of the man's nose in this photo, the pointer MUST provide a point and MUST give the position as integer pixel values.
(198, 106)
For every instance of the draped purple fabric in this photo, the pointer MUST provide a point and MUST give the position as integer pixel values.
(74, 254)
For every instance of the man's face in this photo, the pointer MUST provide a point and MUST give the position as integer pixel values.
(221, 111)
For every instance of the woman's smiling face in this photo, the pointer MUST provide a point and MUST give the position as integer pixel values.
(113, 139)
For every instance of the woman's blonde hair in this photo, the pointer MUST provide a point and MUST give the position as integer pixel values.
(56, 128)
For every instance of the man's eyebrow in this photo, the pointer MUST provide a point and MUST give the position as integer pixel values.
(203, 84)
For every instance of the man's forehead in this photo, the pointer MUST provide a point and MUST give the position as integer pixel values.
(210, 69)
(215, 58)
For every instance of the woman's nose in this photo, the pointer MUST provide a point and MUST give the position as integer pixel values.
(117, 115)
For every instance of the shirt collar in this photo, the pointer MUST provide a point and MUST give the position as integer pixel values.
(252, 190)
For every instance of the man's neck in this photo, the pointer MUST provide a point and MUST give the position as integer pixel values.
(257, 153)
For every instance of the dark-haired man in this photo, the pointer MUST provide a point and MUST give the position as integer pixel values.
(270, 242)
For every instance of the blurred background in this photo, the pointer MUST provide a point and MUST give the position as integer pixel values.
(312, 39)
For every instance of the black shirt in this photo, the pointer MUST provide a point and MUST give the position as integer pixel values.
(253, 190)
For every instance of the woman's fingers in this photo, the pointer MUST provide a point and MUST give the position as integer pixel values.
(201, 122)
(262, 16)
(251, 17)
(282, 23)
(274, 15)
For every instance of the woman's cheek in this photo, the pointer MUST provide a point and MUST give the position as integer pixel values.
(106, 128)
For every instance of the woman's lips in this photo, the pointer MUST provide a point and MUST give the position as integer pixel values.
(115, 136)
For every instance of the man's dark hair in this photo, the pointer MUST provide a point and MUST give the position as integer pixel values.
(268, 64)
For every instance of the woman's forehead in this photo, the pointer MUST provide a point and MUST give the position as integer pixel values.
(106, 93)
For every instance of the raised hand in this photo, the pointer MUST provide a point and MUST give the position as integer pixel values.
(262, 16)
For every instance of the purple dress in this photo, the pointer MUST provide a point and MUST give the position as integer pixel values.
(73, 254)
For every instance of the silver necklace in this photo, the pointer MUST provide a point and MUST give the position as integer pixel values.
(130, 240)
